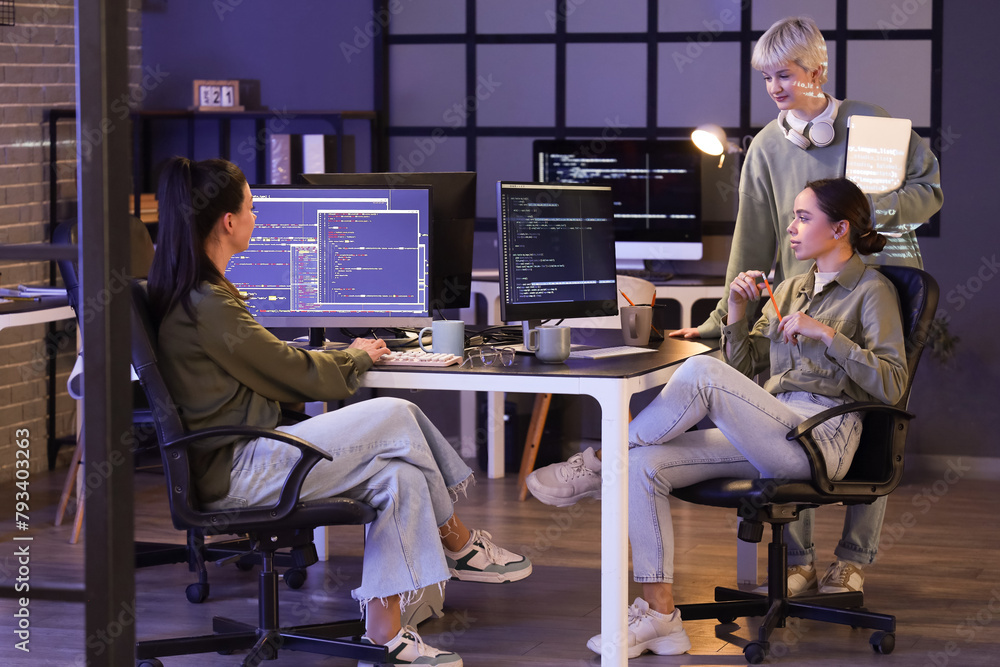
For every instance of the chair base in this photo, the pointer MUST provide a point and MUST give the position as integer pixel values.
(231, 636)
(196, 553)
(840, 608)
(776, 607)
(265, 640)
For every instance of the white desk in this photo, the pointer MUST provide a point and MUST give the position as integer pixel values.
(685, 289)
(24, 313)
(612, 382)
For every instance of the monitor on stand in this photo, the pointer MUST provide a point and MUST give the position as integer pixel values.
(557, 252)
(337, 257)
(656, 186)
(453, 219)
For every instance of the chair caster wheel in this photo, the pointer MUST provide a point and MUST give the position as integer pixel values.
(882, 642)
(243, 567)
(726, 620)
(196, 593)
(295, 577)
(755, 652)
(150, 662)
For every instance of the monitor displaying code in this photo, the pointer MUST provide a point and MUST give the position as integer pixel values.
(335, 253)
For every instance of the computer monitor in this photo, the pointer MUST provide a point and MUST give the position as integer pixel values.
(337, 257)
(657, 189)
(453, 220)
(557, 251)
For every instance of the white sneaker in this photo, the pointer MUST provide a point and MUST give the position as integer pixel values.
(843, 577)
(649, 630)
(481, 560)
(569, 482)
(407, 648)
(801, 580)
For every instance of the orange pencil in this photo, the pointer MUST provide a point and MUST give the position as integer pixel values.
(773, 302)
(630, 302)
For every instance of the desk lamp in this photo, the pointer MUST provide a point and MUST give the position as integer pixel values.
(712, 139)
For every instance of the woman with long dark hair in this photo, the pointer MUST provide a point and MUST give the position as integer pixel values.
(224, 369)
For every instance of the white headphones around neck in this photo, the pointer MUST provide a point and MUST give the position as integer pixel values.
(821, 130)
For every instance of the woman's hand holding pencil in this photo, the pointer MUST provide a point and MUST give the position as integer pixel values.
(742, 291)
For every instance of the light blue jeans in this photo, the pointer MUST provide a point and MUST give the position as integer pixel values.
(749, 441)
(858, 542)
(385, 453)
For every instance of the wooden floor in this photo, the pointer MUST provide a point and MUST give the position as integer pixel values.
(939, 573)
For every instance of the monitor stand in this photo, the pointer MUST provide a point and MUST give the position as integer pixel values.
(631, 264)
(317, 337)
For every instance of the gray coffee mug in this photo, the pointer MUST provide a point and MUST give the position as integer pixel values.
(550, 344)
(636, 323)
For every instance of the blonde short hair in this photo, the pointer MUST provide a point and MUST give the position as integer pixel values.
(796, 39)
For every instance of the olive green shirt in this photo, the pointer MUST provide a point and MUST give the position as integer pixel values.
(224, 369)
(866, 359)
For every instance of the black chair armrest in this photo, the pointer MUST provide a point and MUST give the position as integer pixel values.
(289, 497)
(817, 462)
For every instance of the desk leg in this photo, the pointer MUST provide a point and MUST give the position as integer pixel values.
(467, 424)
(495, 465)
(614, 526)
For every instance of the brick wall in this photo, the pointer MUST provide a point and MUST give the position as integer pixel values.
(37, 73)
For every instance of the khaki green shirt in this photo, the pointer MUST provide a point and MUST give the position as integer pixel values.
(866, 359)
(227, 370)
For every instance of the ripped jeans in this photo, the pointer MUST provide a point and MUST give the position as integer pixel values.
(386, 453)
(749, 441)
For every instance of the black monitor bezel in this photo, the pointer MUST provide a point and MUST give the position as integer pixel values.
(452, 244)
(520, 312)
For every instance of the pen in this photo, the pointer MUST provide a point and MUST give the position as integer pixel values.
(773, 302)
(630, 302)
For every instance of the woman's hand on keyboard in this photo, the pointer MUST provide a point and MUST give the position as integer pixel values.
(375, 347)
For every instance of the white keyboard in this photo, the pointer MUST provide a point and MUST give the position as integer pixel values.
(602, 352)
(418, 357)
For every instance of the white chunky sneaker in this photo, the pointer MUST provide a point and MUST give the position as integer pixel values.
(407, 648)
(569, 482)
(481, 560)
(843, 576)
(648, 630)
(801, 580)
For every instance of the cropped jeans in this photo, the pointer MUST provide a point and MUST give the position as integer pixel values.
(748, 441)
(385, 453)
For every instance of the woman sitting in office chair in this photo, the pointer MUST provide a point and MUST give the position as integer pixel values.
(225, 369)
(832, 335)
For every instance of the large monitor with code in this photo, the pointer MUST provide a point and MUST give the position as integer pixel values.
(337, 257)
(657, 191)
(557, 251)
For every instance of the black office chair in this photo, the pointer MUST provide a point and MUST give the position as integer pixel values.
(875, 471)
(288, 524)
(196, 553)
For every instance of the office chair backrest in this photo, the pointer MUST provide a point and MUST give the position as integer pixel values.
(918, 296)
(169, 427)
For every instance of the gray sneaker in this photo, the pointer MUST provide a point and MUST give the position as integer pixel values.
(567, 483)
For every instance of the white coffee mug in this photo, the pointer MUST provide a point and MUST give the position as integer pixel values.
(447, 336)
(550, 344)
